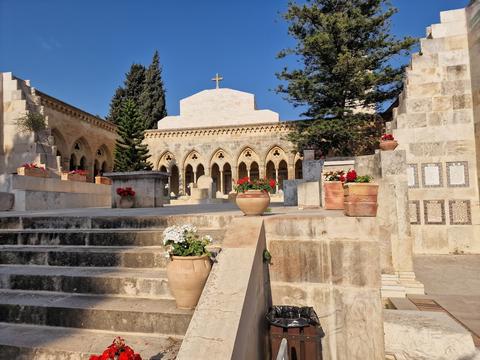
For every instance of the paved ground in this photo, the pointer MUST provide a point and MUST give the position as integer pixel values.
(223, 208)
(453, 281)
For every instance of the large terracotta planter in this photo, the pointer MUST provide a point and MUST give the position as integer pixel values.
(35, 172)
(253, 202)
(186, 278)
(126, 202)
(74, 177)
(388, 145)
(333, 195)
(360, 199)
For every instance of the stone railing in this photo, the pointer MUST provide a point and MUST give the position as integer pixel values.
(229, 321)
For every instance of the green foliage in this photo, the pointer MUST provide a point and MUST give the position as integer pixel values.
(345, 51)
(130, 152)
(145, 88)
(152, 98)
(31, 122)
(185, 241)
(363, 179)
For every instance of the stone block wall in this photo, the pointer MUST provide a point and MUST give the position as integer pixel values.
(435, 124)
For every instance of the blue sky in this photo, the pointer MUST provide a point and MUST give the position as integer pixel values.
(78, 51)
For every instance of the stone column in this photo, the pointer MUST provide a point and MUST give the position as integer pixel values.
(195, 177)
(222, 189)
(276, 180)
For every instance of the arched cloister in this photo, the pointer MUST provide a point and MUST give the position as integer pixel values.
(298, 169)
(81, 150)
(103, 157)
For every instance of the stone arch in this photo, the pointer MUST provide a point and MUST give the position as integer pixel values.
(103, 160)
(167, 159)
(62, 148)
(276, 154)
(220, 157)
(248, 156)
(282, 173)
(298, 169)
(82, 150)
(193, 158)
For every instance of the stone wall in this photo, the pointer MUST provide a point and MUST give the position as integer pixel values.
(434, 124)
(74, 134)
(216, 152)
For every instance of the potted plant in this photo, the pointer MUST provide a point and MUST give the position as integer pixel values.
(388, 142)
(75, 175)
(253, 195)
(333, 187)
(127, 197)
(32, 169)
(360, 195)
(190, 263)
(118, 350)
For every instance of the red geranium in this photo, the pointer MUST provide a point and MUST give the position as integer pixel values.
(272, 183)
(387, 137)
(79, 172)
(117, 351)
(351, 176)
(128, 191)
(246, 183)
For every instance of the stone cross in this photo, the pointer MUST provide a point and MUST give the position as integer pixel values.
(217, 79)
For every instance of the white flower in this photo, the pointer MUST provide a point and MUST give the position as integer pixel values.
(188, 228)
(208, 238)
(174, 234)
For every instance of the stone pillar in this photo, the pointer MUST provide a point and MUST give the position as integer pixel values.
(276, 180)
(195, 177)
(222, 188)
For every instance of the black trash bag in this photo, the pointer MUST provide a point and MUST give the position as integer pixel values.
(292, 316)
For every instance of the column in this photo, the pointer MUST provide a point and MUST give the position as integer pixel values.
(276, 180)
(195, 177)
(222, 190)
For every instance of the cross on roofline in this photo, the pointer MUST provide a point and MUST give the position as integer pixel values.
(217, 79)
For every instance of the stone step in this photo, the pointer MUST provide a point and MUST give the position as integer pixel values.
(151, 283)
(98, 237)
(34, 342)
(98, 256)
(158, 316)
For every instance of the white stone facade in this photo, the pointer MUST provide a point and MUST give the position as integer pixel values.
(436, 122)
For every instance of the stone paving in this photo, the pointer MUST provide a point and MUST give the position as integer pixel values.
(453, 281)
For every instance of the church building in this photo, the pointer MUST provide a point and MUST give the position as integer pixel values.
(220, 133)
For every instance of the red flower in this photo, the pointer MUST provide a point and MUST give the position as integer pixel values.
(351, 176)
(342, 178)
(387, 137)
(272, 183)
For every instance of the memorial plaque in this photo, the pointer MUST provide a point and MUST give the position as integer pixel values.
(414, 212)
(457, 174)
(460, 213)
(412, 175)
(434, 212)
(432, 175)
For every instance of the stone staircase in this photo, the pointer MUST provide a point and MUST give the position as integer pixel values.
(69, 285)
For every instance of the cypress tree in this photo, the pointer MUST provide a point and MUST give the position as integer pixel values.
(152, 99)
(130, 152)
(132, 88)
(345, 50)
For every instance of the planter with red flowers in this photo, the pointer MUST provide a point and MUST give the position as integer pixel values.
(253, 196)
(117, 351)
(75, 175)
(32, 169)
(127, 197)
(388, 142)
(333, 187)
(360, 195)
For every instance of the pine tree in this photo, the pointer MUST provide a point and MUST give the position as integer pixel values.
(132, 88)
(152, 99)
(345, 48)
(131, 154)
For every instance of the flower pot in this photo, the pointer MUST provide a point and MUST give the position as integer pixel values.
(74, 177)
(333, 195)
(388, 145)
(126, 202)
(103, 180)
(35, 172)
(186, 278)
(253, 202)
(360, 199)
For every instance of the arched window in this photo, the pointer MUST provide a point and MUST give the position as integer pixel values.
(73, 162)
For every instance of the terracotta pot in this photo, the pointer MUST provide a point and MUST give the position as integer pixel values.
(36, 172)
(333, 195)
(74, 177)
(360, 199)
(388, 145)
(186, 278)
(126, 202)
(253, 202)
(103, 180)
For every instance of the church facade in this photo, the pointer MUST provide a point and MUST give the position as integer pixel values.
(220, 133)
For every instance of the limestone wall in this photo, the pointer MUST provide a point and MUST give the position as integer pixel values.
(220, 151)
(73, 131)
(434, 123)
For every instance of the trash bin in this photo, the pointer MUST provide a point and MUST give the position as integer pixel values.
(301, 327)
